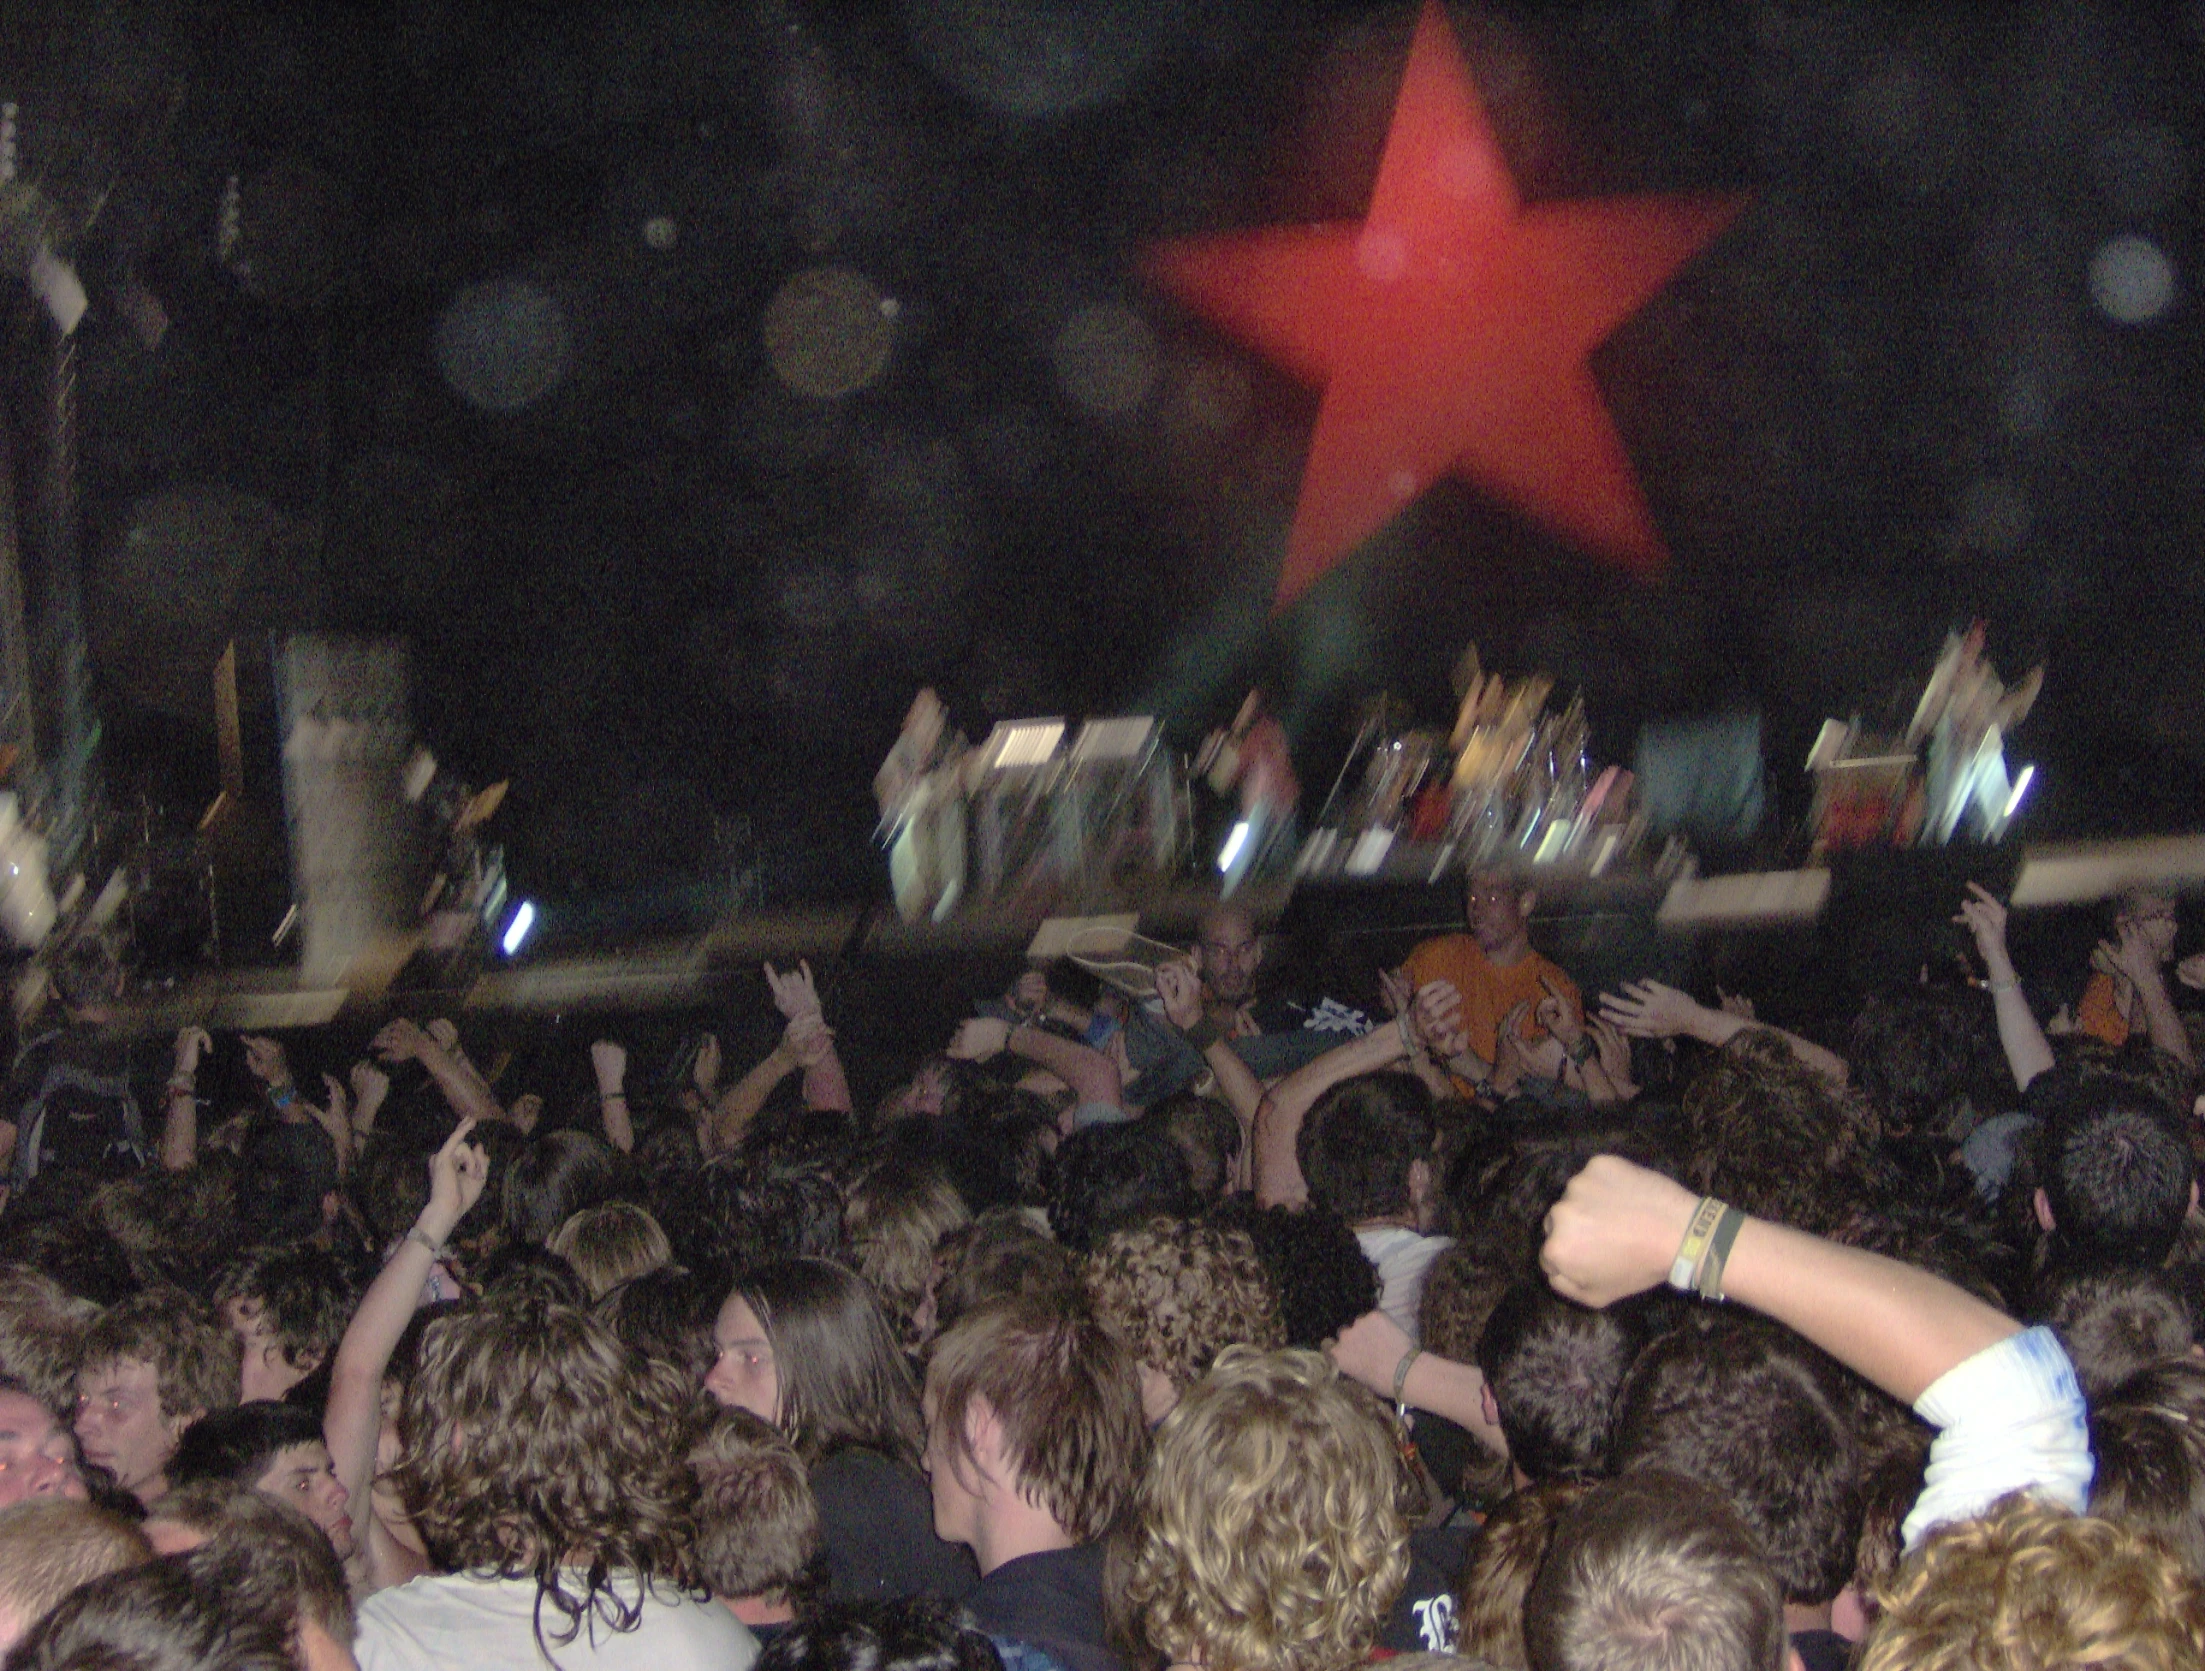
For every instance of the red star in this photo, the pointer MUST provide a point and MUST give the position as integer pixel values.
(1450, 330)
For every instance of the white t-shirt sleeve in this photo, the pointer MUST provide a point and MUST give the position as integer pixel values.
(2011, 1418)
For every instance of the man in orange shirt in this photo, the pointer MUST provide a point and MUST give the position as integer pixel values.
(2128, 986)
(1493, 966)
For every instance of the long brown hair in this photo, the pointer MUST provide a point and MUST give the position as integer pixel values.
(843, 1379)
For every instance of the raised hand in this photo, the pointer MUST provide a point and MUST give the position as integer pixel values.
(1615, 1053)
(335, 1117)
(1650, 1010)
(1181, 990)
(1559, 1016)
(1509, 1061)
(610, 1063)
(264, 1056)
(809, 1038)
(1438, 1019)
(1394, 990)
(2191, 971)
(191, 1044)
(401, 1041)
(980, 1039)
(793, 993)
(446, 1034)
(704, 1072)
(1737, 1004)
(2133, 956)
(370, 1085)
(456, 1176)
(1615, 1232)
(1984, 917)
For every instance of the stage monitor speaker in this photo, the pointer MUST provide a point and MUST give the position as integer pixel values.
(357, 860)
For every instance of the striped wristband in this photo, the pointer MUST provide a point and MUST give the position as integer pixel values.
(1684, 1271)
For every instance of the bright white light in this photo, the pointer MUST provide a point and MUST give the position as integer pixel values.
(517, 930)
(2021, 788)
(1233, 844)
(2131, 279)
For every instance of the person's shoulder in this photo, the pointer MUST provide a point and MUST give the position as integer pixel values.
(860, 1468)
(673, 1614)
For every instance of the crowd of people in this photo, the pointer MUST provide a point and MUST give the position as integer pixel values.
(1465, 1321)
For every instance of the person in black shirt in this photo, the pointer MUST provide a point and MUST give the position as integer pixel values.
(803, 1344)
(1035, 1445)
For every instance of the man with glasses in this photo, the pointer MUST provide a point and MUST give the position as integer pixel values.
(1501, 979)
(2128, 992)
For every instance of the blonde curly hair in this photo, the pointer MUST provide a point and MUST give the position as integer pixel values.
(1178, 1293)
(1273, 1535)
(2030, 1585)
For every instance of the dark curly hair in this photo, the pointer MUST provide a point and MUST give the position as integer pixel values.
(915, 1635)
(536, 1447)
(1325, 1280)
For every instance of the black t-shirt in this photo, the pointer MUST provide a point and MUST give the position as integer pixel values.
(1822, 1650)
(876, 1525)
(1423, 1619)
(1052, 1601)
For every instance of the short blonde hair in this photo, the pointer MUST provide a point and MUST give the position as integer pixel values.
(50, 1545)
(1273, 1535)
(612, 1244)
(1178, 1293)
(2032, 1585)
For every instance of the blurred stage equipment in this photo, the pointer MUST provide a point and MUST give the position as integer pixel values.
(465, 901)
(27, 908)
(1943, 779)
(1250, 762)
(1511, 784)
(356, 860)
(1027, 820)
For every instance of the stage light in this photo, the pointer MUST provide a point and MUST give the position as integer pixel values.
(2021, 788)
(1233, 844)
(2131, 279)
(516, 931)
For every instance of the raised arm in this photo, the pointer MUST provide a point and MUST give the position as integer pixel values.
(2027, 1051)
(463, 1088)
(1092, 1076)
(353, 1419)
(738, 1105)
(180, 1102)
(1180, 988)
(609, 1062)
(826, 1086)
(1278, 1170)
(2005, 1399)
(1650, 1010)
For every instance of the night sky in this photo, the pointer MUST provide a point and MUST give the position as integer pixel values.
(505, 343)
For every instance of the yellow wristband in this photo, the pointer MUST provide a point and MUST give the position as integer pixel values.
(1685, 1269)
